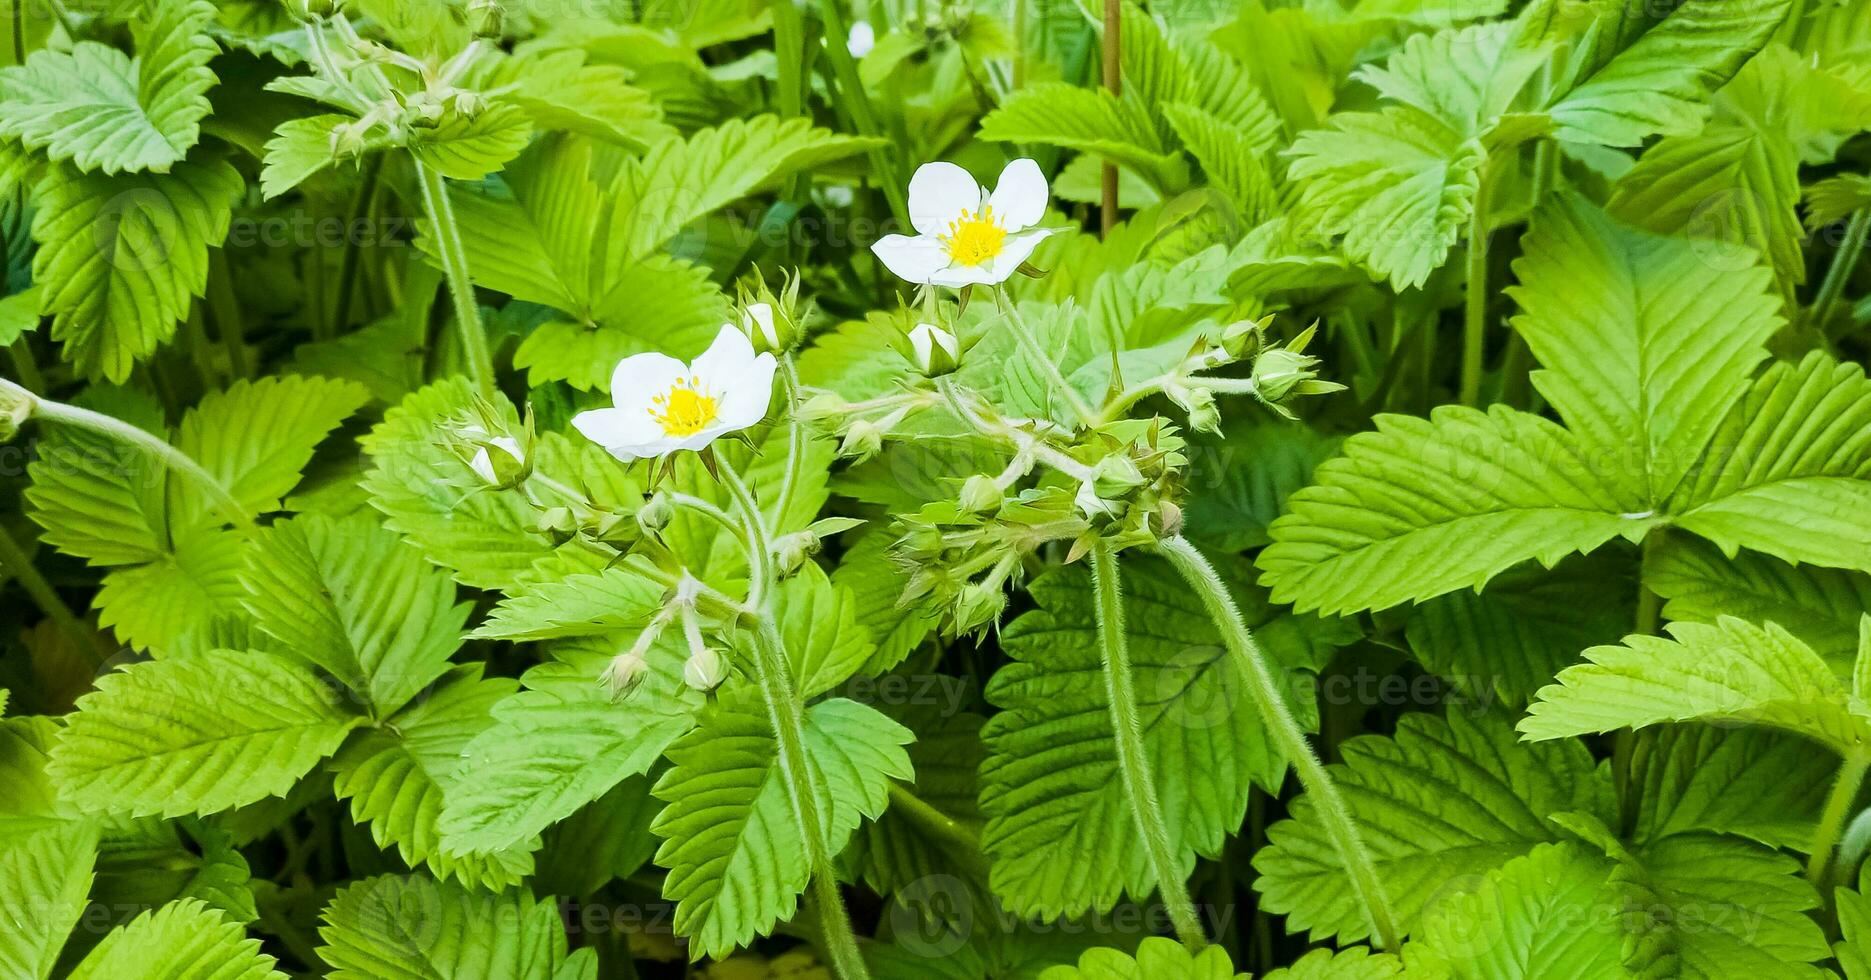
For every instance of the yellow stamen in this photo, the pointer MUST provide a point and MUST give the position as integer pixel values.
(973, 238)
(685, 410)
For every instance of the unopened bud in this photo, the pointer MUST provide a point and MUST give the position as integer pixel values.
(624, 673)
(980, 494)
(656, 512)
(1168, 518)
(1115, 476)
(558, 523)
(792, 551)
(16, 406)
(863, 439)
(705, 669)
(313, 9)
(933, 350)
(1277, 371)
(1199, 402)
(485, 18)
(978, 605)
(500, 460)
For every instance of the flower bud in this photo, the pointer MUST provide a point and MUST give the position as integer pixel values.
(313, 9)
(980, 494)
(467, 102)
(1094, 506)
(1115, 476)
(792, 551)
(1277, 371)
(1199, 402)
(933, 350)
(863, 439)
(558, 523)
(485, 18)
(349, 140)
(1168, 518)
(16, 406)
(624, 673)
(705, 669)
(656, 512)
(775, 323)
(978, 605)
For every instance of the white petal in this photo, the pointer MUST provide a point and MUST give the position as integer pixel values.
(957, 276)
(644, 450)
(483, 466)
(939, 193)
(746, 395)
(863, 38)
(609, 427)
(1018, 249)
(914, 259)
(641, 376)
(760, 317)
(728, 356)
(1020, 196)
(922, 341)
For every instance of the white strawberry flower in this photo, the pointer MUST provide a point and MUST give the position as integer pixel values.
(662, 405)
(965, 235)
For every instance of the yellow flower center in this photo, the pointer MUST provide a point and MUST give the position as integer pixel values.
(684, 411)
(973, 239)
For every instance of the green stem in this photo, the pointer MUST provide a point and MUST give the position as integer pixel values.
(225, 308)
(1133, 762)
(122, 431)
(349, 261)
(1330, 805)
(960, 845)
(1113, 83)
(454, 259)
(1832, 821)
(795, 441)
(851, 87)
(25, 365)
(1840, 272)
(788, 718)
(1624, 743)
(1024, 336)
(14, 559)
(1475, 318)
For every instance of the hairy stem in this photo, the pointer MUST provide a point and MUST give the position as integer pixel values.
(171, 457)
(1840, 271)
(788, 718)
(454, 258)
(1133, 762)
(1851, 778)
(1331, 806)
(795, 441)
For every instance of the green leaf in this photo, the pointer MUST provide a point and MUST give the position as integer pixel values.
(415, 928)
(1788, 471)
(1445, 799)
(1467, 77)
(1510, 639)
(606, 839)
(1550, 914)
(44, 877)
(563, 742)
(1854, 916)
(257, 436)
(197, 734)
(299, 148)
(1050, 788)
(97, 108)
(1230, 159)
(658, 304)
(732, 844)
(1820, 606)
(430, 496)
(1157, 959)
(19, 314)
(1398, 185)
(122, 258)
(355, 600)
(1349, 963)
(560, 92)
(581, 604)
(1734, 190)
(876, 586)
(397, 776)
(156, 606)
(95, 497)
(1243, 477)
(678, 181)
(464, 148)
(901, 849)
(1732, 671)
(1089, 121)
(1763, 785)
(820, 631)
(181, 939)
(1644, 344)
(1661, 83)
(1426, 506)
(1836, 198)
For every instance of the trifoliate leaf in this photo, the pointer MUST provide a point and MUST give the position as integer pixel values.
(197, 734)
(1467, 77)
(156, 606)
(736, 858)
(1050, 787)
(469, 148)
(1732, 671)
(122, 258)
(1443, 801)
(1089, 121)
(97, 108)
(181, 939)
(415, 928)
(1398, 185)
(1644, 344)
(563, 742)
(299, 148)
(1426, 506)
(396, 777)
